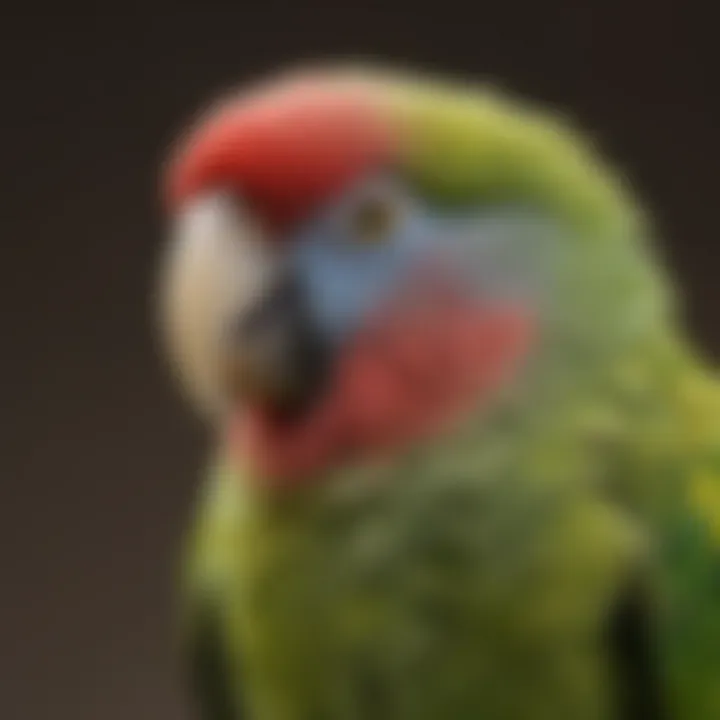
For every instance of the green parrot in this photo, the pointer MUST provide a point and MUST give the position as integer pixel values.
(465, 464)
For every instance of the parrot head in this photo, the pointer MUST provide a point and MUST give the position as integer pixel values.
(356, 263)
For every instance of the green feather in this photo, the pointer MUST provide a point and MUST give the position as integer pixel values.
(476, 576)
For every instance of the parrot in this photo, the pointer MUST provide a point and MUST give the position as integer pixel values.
(464, 457)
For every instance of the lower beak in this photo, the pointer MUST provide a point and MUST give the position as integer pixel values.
(273, 354)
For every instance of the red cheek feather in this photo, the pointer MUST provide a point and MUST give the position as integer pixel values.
(399, 384)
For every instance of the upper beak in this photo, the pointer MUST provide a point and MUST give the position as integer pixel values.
(235, 322)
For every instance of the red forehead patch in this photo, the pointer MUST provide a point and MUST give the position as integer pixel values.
(286, 150)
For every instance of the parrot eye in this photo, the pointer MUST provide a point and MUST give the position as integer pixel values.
(375, 218)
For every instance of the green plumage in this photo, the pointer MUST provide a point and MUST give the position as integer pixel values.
(479, 576)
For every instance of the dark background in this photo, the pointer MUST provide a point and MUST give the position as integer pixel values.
(99, 457)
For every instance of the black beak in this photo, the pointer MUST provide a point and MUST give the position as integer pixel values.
(276, 356)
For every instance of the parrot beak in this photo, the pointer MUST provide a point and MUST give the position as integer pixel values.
(235, 323)
(273, 355)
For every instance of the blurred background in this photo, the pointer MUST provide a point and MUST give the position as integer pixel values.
(99, 457)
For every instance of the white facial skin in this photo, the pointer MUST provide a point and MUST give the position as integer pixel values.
(214, 265)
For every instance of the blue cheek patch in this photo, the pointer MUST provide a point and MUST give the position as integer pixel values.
(500, 252)
(346, 280)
